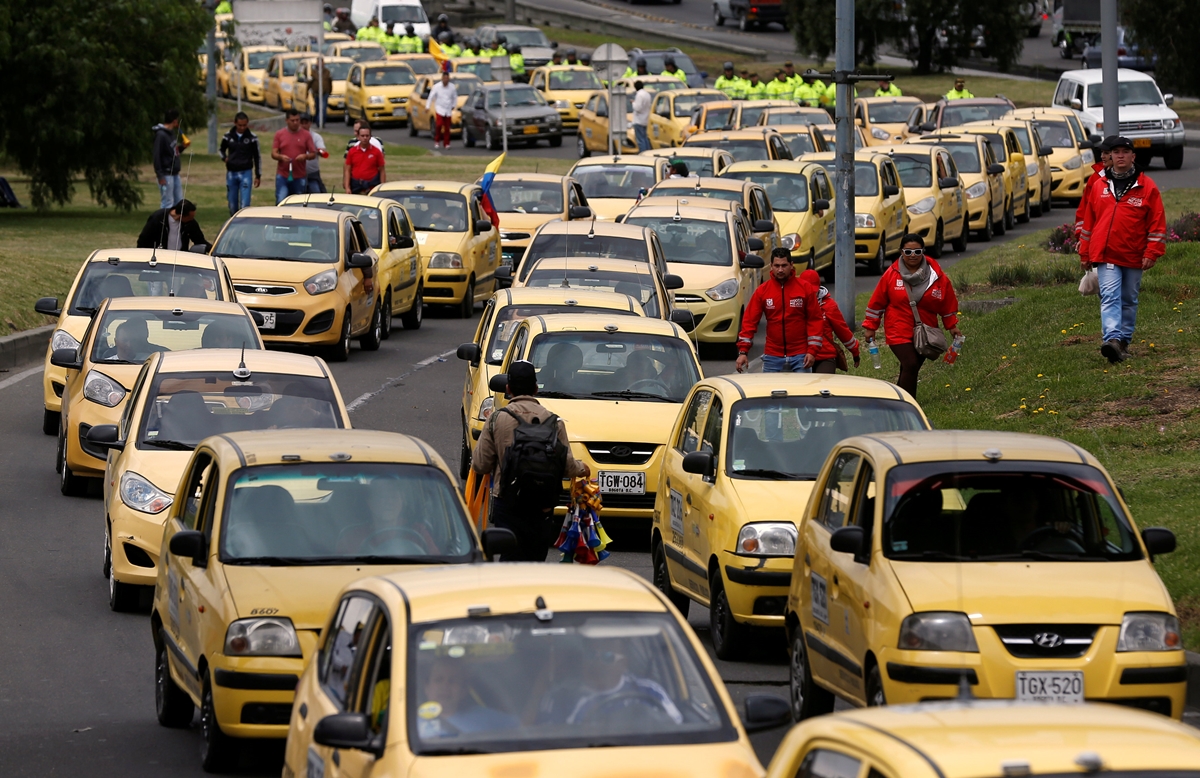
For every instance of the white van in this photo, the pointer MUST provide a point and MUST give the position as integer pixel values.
(1146, 116)
(399, 11)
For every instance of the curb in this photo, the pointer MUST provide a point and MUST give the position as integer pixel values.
(1191, 138)
(26, 347)
(1193, 680)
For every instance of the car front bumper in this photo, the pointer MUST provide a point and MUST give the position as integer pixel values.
(301, 319)
(757, 588)
(621, 506)
(716, 322)
(387, 113)
(136, 540)
(866, 244)
(253, 696)
(82, 415)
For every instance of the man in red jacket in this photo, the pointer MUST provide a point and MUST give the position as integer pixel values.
(795, 327)
(835, 326)
(1124, 233)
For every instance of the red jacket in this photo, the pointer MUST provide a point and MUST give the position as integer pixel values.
(889, 301)
(835, 323)
(1087, 187)
(1124, 232)
(794, 321)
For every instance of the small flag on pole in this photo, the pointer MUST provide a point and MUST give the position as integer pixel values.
(486, 184)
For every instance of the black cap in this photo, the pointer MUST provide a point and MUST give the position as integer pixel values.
(1115, 141)
(728, 66)
(522, 377)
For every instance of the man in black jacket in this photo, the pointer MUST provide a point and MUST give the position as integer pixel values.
(173, 228)
(239, 150)
(166, 160)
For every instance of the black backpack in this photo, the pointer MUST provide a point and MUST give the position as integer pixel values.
(532, 471)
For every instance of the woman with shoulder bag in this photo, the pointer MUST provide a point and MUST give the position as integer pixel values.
(910, 296)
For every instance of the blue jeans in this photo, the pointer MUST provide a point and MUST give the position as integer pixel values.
(794, 364)
(170, 192)
(643, 140)
(1118, 300)
(283, 187)
(238, 184)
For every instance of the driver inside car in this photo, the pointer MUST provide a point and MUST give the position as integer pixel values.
(611, 691)
(449, 708)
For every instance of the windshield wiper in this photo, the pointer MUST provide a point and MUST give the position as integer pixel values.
(312, 561)
(461, 750)
(1032, 553)
(629, 394)
(928, 554)
(174, 445)
(762, 472)
(557, 395)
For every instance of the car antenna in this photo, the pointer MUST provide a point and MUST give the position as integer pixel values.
(676, 217)
(242, 372)
(175, 258)
(592, 228)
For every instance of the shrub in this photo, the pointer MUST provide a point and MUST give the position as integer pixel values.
(1063, 241)
(1184, 229)
(1025, 274)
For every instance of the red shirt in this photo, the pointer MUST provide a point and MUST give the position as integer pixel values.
(889, 301)
(364, 165)
(1123, 232)
(293, 144)
(794, 322)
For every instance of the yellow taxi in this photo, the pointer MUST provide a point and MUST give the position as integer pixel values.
(613, 184)
(802, 139)
(980, 176)
(100, 373)
(329, 40)
(880, 210)
(421, 64)
(1037, 160)
(653, 291)
(791, 114)
(267, 528)
(121, 273)
(480, 67)
(514, 670)
(304, 94)
(723, 531)
(652, 84)
(712, 115)
(883, 120)
(801, 195)
(566, 88)
(460, 247)
(390, 234)
(501, 315)
(751, 111)
(1005, 560)
(379, 92)
(744, 145)
(422, 118)
(250, 74)
(1071, 156)
(360, 51)
(178, 399)
(309, 273)
(618, 383)
(671, 114)
(703, 162)
(829, 132)
(937, 207)
(591, 136)
(526, 201)
(967, 739)
(279, 89)
(752, 197)
(600, 240)
(1007, 150)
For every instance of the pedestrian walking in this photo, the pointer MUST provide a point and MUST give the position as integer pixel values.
(174, 228)
(326, 88)
(313, 169)
(959, 92)
(640, 108)
(292, 147)
(167, 163)
(795, 327)
(442, 100)
(1096, 180)
(526, 450)
(243, 162)
(829, 359)
(365, 167)
(913, 285)
(1124, 234)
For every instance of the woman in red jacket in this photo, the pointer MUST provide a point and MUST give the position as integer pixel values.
(890, 302)
(835, 327)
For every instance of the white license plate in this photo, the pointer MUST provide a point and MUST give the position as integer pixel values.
(620, 482)
(397, 112)
(268, 320)
(1050, 687)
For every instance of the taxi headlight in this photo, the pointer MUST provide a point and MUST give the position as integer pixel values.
(976, 190)
(1149, 631)
(768, 538)
(937, 631)
(63, 339)
(325, 281)
(262, 637)
(375, 100)
(864, 220)
(924, 205)
(141, 495)
(1074, 163)
(1032, 169)
(445, 259)
(286, 86)
(253, 80)
(879, 134)
(723, 290)
(562, 103)
(791, 241)
(485, 408)
(99, 388)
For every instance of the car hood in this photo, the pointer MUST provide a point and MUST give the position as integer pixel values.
(429, 242)
(771, 500)
(1136, 113)
(275, 270)
(524, 112)
(648, 422)
(714, 760)
(536, 52)
(697, 278)
(162, 467)
(1078, 592)
(609, 208)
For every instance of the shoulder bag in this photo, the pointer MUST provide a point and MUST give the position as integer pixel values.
(930, 342)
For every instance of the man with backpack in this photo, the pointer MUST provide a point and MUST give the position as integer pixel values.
(525, 449)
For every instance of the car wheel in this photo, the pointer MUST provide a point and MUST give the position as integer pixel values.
(464, 455)
(1173, 159)
(939, 242)
(555, 141)
(582, 147)
(172, 706)
(50, 421)
(386, 321)
(489, 141)
(69, 484)
(340, 351)
(662, 580)
(412, 129)
(218, 751)
(959, 244)
(106, 568)
(122, 598)
(371, 339)
(432, 128)
(718, 19)
(412, 318)
(744, 24)
(1000, 227)
(807, 698)
(987, 232)
(879, 261)
(1048, 203)
(346, 117)
(467, 308)
(728, 636)
(875, 695)
(1024, 217)
(1010, 216)
(467, 140)
(1036, 210)
(1083, 63)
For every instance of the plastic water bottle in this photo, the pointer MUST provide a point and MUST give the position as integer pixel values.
(951, 355)
(873, 348)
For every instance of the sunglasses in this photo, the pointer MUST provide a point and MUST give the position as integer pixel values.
(912, 252)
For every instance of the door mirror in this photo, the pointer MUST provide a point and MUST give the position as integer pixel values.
(1076, 104)
(504, 273)
(469, 352)
(764, 225)
(672, 282)
(891, 190)
(346, 730)
(189, 544)
(820, 205)
(1169, 98)
(497, 541)
(105, 436)
(859, 121)
(199, 248)
(48, 306)
(847, 540)
(579, 212)
(65, 357)
(995, 169)
(498, 382)
(761, 712)
(927, 127)
(699, 463)
(949, 182)
(482, 226)
(1086, 144)
(684, 318)
(1158, 540)
(400, 242)
(359, 259)
(1095, 139)
(755, 244)
(753, 262)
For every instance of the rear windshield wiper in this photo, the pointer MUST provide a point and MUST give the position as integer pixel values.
(629, 394)
(762, 472)
(174, 445)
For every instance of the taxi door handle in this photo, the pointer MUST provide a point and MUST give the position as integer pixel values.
(337, 758)
(835, 580)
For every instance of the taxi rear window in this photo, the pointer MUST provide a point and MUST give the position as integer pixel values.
(279, 238)
(102, 280)
(130, 337)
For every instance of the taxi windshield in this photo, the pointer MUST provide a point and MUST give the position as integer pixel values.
(966, 156)
(504, 326)
(789, 439)
(654, 87)
(184, 408)
(1056, 135)
(799, 143)
(956, 114)
(750, 115)
(481, 69)
(656, 62)
(614, 180)
(742, 150)
(279, 238)
(388, 77)
(889, 113)
(364, 53)
(433, 211)
(613, 365)
(343, 513)
(677, 190)
(684, 104)
(562, 245)
(788, 191)
(130, 337)
(694, 241)
(338, 70)
(1020, 511)
(786, 116)
(831, 140)
(581, 679)
(574, 79)
(526, 197)
(639, 286)
(258, 60)
(290, 66)
(866, 177)
(367, 215)
(718, 118)
(422, 66)
(102, 280)
(915, 171)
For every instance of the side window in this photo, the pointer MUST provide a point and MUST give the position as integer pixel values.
(208, 506)
(1060, 94)
(360, 234)
(485, 321)
(590, 105)
(940, 160)
(127, 414)
(660, 259)
(690, 434)
(711, 441)
(345, 637)
(572, 198)
(824, 763)
(475, 213)
(858, 112)
(989, 158)
(394, 223)
(580, 197)
(764, 204)
(864, 508)
(662, 106)
(349, 240)
(951, 168)
(518, 344)
(193, 492)
(374, 687)
(914, 118)
(839, 490)
(1013, 146)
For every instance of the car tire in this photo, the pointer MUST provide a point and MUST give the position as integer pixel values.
(581, 147)
(468, 141)
(1024, 217)
(69, 484)
(386, 314)
(346, 116)
(878, 262)
(555, 141)
(50, 422)
(1036, 210)
(106, 567)
(466, 309)
(412, 129)
(744, 24)
(218, 751)
(340, 351)
(959, 244)
(1001, 227)
(807, 699)
(728, 636)
(1047, 204)
(172, 706)
(662, 580)
(122, 598)
(875, 696)
(1173, 159)
(373, 337)
(411, 319)
(718, 19)
(989, 228)
(488, 141)
(1010, 216)
(939, 241)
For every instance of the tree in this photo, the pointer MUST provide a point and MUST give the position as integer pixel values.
(1168, 28)
(813, 25)
(83, 84)
(938, 33)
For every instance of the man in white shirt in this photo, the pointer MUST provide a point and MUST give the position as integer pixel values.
(443, 99)
(641, 116)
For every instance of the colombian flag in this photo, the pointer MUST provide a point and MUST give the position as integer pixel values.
(485, 184)
(435, 51)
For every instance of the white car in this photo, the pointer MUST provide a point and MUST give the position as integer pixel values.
(1146, 116)
(400, 12)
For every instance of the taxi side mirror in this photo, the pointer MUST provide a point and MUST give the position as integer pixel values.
(504, 276)
(684, 318)
(47, 306)
(199, 248)
(761, 712)
(66, 358)
(482, 226)
(860, 122)
(753, 262)
(359, 259)
(1086, 144)
(106, 436)
(1158, 540)
(820, 205)
(848, 540)
(189, 544)
(949, 182)
(699, 463)
(891, 190)
(400, 242)
(469, 352)
(579, 212)
(755, 244)
(764, 225)
(672, 282)
(927, 127)
(995, 169)
(497, 541)
(347, 730)
(498, 382)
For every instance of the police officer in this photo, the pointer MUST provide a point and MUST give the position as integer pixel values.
(572, 57)
(371, 32)
(806, 94)
(670, 69)
(793, 78)
(327, 17)
(728, 82)
(343, 23)
(390, 40)
(517, 62)
(755, 90)
(410, 42)
(888, 89)
(959, 91)
(449, 47)
(470, 48)
(442, 25)
(780, 88)
(641, 69)
(556, 58)
(501, 42)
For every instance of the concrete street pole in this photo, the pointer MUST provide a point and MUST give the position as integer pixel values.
(1108, 50)
(843, 264)
(210, 87)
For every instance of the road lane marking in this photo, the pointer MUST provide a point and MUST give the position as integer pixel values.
(19, 377)
(367, 396)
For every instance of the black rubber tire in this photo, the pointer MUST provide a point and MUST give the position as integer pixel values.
(340, 351)
(1010, 216)
(172, 706)
(878, 262)
(662, 580)
(122, 598)
(373, 337)
(218, 751)
(1024, 217)
(468, 140)
(466, 309)
(1000, 227)
(939, 241)
(746, 25)
(412, 318)
(1173, 159)
(988, 230)
(412, 130)
(581, 147)
(728, 636)
(346, 117)
(875, 696)
(807, 699)
(959, 244)
(387, 316)
(1037, 210)
(555, 142)
(718, 20)
(69, 484)
(106, 567)
(50, 421)
(488, 141)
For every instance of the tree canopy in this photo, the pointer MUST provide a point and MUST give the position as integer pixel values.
(1168, 28)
